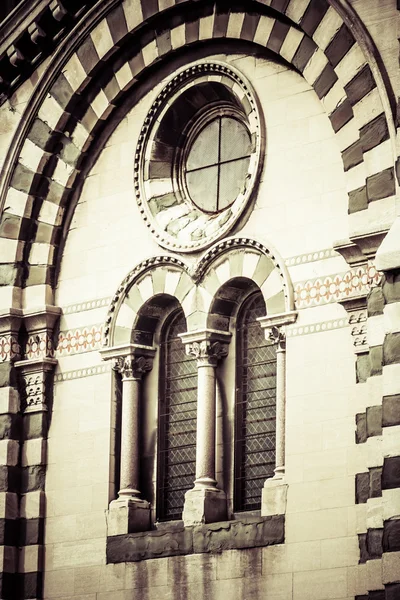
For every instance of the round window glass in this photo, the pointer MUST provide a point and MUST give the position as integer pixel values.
(217, 164)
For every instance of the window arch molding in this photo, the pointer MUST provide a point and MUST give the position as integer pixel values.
(138, 308)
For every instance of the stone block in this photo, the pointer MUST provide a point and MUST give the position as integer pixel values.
(248, 533)
(391, 567)
(391, 473)
(361, 428)
(152, 544)
(204, 505)
(274, 497)
(391, 536)
(374, 543)
(391, 410)
(128, 516)
(325, 583)
(374, 420)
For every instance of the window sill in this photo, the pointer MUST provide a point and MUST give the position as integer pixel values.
(174, 539)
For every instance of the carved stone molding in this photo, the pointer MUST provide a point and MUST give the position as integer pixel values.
(9, 328)
(35, 380)
(275, 328)
(208, 346)
(180, 224)
(357, 318)
(132, 367)
(207, 352)
(360, 248)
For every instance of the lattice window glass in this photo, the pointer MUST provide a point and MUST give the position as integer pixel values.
(177, 421)
(255, 410)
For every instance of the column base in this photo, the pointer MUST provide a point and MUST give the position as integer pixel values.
(128, 515)
(204, 505)
(274, 497)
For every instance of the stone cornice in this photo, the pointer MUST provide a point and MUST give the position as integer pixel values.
(360, 248)
(44, 23)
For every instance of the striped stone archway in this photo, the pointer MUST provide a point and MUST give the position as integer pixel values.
(82, 92)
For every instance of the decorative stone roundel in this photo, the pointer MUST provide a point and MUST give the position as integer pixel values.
(199, 156)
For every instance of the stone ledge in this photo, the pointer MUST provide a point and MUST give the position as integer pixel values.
(176, 540)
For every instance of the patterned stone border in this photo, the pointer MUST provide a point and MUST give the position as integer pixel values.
(82, 373)
(311, 257)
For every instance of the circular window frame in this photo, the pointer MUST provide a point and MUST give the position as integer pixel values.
(179, 224)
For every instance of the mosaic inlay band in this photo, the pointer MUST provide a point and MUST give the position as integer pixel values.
(80, 373)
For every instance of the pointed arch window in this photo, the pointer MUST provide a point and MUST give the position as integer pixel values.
(176, 420)
(255, 407)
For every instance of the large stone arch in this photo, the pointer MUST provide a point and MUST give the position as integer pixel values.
(85, 85)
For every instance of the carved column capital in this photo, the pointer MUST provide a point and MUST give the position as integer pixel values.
(132, 367)
(277, 335)
(208, 346)
(207, 352)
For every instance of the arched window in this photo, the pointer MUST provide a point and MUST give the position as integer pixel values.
(177, 421)
(255, 410)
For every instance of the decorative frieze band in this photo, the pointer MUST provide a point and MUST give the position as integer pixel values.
(82, 373)
(335, 288)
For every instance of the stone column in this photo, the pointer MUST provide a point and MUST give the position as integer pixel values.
(205, 503)
(129, 513)
(274, 493)
(279, 338)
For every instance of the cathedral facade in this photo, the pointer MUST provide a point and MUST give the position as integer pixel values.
(199, 300)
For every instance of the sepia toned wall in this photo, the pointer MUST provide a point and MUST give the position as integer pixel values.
(341, 538)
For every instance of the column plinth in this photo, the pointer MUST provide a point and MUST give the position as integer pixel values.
(205, 503)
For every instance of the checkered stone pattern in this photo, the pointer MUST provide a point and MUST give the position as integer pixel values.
(9, 488)
(379, 428)
(66, 123)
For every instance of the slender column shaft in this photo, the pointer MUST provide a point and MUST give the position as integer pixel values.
(205, 437)
(129, 478)
(280, 409)
(132, 370)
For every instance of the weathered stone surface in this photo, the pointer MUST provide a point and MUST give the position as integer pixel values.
(391, 536)
(392, 592)
(362, 487)
(362, 544)
(374, 421)
(375, 482)
(151, 544)
(391, 349)
(358, 199)
(391, 287)
(360, 85)
(177, 540)
(376, 358)
(374, 542)
(381, 185)
(391, 473)
(391, 410)
(340, 45)
(375, 302)
(363, 368)
(361, 428)
(230, 535)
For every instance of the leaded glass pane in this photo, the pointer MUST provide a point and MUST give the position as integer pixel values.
(177, 422)
(255, 407)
